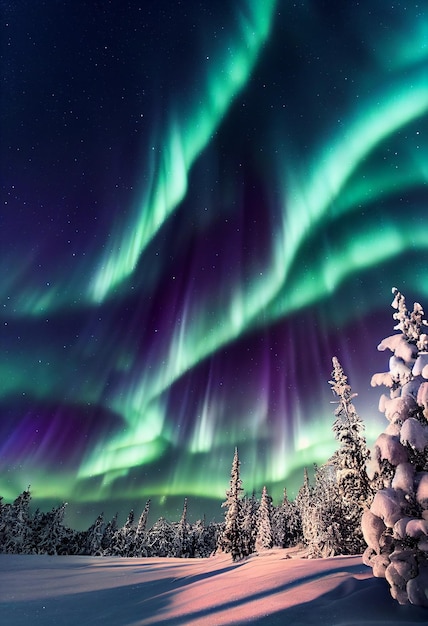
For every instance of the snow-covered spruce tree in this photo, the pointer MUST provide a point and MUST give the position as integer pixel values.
(92, 538)
(293, 522)
(108, 535)
(123, 539)
(264, 523)
(160, 538)
(181, 543)
(248, 523)
(50, 534)
(15, 525)
(320, 508)
(325, 528)
(349, 462)
(140, 546)
(279, 523)
(231, 539)
(203, 538)
(396, 525)
(304, 504)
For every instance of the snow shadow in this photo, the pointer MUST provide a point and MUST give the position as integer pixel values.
(352, 603)
(123, 605)
(159, 606)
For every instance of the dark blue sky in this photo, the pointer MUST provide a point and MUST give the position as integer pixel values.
(201, 205)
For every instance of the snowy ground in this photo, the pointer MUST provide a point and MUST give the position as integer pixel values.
(267, 589)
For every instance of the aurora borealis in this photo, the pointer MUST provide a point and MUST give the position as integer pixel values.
(201, 205)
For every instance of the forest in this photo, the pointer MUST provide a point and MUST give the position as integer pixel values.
(324, 518)
(365, 501)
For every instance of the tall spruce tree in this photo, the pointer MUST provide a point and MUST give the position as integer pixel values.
(264, 539)
(140, 547)
(249, 507)
(109, 533)
(304, 501)
(181, 547)
(232, 538)
(350, 462)
(351, 457)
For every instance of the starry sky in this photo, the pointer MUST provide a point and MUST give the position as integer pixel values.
(202, 203)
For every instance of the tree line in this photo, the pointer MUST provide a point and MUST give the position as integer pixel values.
(372, 502)
(324, 518)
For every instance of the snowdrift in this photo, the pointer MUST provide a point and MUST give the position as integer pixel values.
(271, 588)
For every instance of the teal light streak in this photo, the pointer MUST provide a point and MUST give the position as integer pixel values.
(407, 46)
(186, 135)
(280, 289)
(308, 204)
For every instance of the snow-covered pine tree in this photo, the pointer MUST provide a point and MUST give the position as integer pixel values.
(6, 521)
(264, 523)
(196, 538)
(123, 539)
(160, 538)
(286, 524)
(279, 523)
(350, 463)
(52, 536)
(108, 535)
(248, 523)
(304, 503)
(140, 548)
(396, 526)
(203, 538)
(231, 538)
(36, 526)
(15, 525)
(351, 457)
(181, 546)
(325, 531)
(93, 537)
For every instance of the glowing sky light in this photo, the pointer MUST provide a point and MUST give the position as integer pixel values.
(185, 136)
(201, 206)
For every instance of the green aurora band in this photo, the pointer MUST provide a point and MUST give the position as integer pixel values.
(329, 230)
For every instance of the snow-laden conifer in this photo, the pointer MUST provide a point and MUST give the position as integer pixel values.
(326, 532)
(249, 507)
(264, 539)
(203, 538)
(123, 539)
(286, 523)
(181, 546)
(396, 525)
(15, 525)
(160, 538)
(140, 547)
(109, 532)
(51, 536)
(304, 505)
(231, 539)
(93, 537)
(351, 457)
(349, 462)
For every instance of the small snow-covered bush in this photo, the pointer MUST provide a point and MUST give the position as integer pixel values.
(395, 527)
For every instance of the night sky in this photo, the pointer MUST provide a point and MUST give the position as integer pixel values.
(202, 203)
